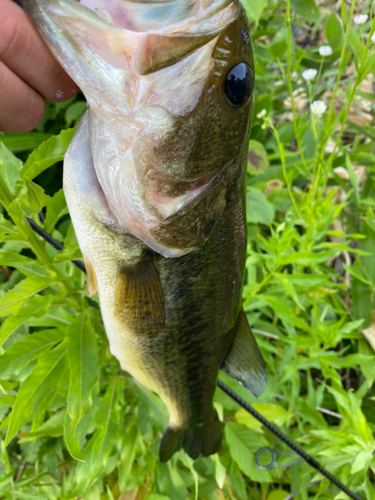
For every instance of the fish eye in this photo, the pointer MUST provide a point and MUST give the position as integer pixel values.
(239, 84)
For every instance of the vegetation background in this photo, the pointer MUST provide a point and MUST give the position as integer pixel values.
(75, 427)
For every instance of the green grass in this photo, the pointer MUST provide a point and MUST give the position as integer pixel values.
(308, 295)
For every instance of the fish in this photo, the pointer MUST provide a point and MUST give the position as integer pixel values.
(155, 183)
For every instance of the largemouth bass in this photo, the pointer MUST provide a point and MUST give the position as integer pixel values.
(155, 183)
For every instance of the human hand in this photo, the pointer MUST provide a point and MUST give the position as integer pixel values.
(29, 74)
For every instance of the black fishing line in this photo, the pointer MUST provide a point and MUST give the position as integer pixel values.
(53, 242)
(308, 458)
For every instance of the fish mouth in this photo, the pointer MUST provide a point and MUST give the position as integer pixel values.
(153, 34)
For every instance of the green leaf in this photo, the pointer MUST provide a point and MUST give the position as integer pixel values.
(52, 427)
(102, 443)
(23, 291)
(153, 404)
(362, 461)
(27, 266)
(274, 413)
(220, 471)
(35, 307)
(55, 211)
(7, 400)
(243, 444)
(306, 9)
(74, 112)
(349, 327)
(27, 496)
(278, 495)
(344, 13)
(6, 226)
(128, 453)
(289, 288)
(306, 258)
(84, 369)
(109, 493)
(359, 420)
(356, 45)
(27, 349)
(258, 208)
(170, 482)
(10, 167)
(24, 142)
(47, 154)
(333, 31)
(353, 180)
(36, 197)
(254, 9)
(56, 317)
(257, 158)
(368, 245)
(71, 252)
(237, 481)
(75, 436)
(361, 296)
(33, 396)
(283, 310)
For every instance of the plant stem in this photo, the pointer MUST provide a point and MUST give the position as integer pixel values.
(350, 100)
(290, 87)
(330, 119)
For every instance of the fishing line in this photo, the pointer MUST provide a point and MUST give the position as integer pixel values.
(275, 430)
(308, 458)
(53, 242)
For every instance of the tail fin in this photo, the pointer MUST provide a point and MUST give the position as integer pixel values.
(203, 439)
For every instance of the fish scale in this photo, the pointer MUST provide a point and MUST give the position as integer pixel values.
(155, 181)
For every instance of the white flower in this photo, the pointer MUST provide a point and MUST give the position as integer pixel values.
(373, 37)
(262, 113)
(361, 19)
(318, 108)
(325, 50)
(309, 74)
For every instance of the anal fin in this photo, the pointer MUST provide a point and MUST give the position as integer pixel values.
(139, 298)
(244, 362)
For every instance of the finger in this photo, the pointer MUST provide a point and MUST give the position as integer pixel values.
(25, 53)
(22, 108)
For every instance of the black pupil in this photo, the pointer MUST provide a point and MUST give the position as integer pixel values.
(239, 84)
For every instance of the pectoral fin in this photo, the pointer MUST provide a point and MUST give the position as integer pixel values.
(139, 297)
(244, 362)
(92, 284)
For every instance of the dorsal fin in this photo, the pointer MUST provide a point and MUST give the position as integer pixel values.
(139, 298)
(244, 362)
